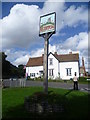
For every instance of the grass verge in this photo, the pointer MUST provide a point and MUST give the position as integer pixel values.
(13, 103)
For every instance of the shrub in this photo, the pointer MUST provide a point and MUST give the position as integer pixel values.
(42, 102)
(82, 79)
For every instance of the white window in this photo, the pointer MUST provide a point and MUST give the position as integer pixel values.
(41, 73)
(50, 61)
(50, 72)
(68, 71)
(32, 74)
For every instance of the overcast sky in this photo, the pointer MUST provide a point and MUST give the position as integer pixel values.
(20, 29)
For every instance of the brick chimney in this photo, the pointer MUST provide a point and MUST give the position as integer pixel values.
(42, 55)
(70, 52)
(55, 53)
(83, 62)
(83, 65)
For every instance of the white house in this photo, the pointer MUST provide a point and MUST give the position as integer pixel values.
(59, 66)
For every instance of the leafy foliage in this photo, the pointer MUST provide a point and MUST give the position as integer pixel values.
(9, 70)
(21, 71)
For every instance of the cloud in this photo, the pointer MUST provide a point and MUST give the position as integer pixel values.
(77, 42)
(37, 52)
(21, 27)
(89, 43)
(83, 43)
(21, 60)
(21, 57)
(74, 16)
(17, 57)
(0, 35)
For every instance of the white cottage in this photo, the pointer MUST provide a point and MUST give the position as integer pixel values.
(59, 66)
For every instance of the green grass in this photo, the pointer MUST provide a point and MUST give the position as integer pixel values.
(83, 80)
(13, 103)
(0, 103)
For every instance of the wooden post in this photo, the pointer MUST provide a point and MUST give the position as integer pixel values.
(46, 31)
(45, 66)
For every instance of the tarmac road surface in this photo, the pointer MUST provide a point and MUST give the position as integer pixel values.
(16, 83)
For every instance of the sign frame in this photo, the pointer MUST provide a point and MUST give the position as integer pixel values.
(41, 34)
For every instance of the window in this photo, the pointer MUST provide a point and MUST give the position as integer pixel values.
(50, 72)
(68, 71)
(51, 61)
(41, 73)
(32, 74)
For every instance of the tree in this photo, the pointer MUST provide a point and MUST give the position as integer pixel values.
(21, 70)
(5, 66)
(8, 70)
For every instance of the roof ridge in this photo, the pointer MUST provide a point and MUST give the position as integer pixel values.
(38, 61)
(67, 54)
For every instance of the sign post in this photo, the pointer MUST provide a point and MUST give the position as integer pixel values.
(47, 29)
(45, 64)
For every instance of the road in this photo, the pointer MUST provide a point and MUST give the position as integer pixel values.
(16, 83)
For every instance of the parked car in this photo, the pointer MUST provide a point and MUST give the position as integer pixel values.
(13, 78)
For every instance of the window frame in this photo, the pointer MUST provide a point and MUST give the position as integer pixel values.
(32, 74)
(50, 61)
(51, 72)
(68, 72)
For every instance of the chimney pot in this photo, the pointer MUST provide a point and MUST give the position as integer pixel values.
(55, 53)
(70, 52)
(42, 55)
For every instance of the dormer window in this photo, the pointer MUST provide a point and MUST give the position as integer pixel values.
(50, 61)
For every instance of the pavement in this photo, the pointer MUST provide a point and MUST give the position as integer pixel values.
(16, 83)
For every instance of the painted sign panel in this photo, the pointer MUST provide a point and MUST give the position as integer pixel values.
(47, 23)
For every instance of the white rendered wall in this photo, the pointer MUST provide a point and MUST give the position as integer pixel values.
(35, 70)
(57, 68)
(54, 66)
(64, 65)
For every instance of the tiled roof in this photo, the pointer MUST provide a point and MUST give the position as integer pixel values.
(38, 61)
(67, 57)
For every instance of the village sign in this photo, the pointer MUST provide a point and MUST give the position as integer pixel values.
(47, 29)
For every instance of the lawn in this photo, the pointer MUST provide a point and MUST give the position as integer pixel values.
(0, 103)
(13, 103)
